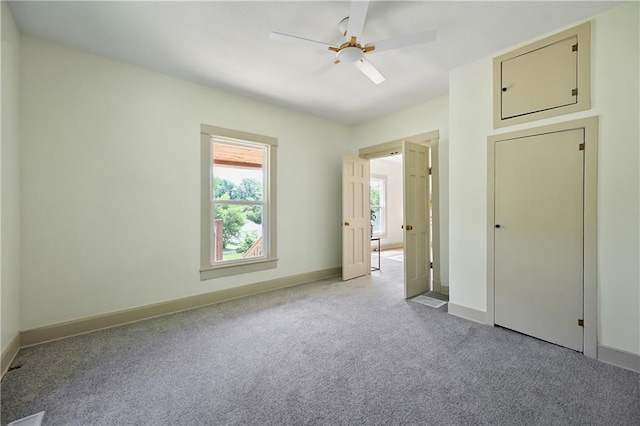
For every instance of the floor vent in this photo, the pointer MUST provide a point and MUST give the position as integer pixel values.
(429, 301)
(33, 420)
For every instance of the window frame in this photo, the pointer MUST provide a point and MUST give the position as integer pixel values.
(209, 269)
(383, 206)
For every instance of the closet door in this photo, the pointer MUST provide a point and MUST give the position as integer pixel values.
(539, 210)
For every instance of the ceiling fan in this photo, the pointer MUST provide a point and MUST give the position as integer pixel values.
(352, 51)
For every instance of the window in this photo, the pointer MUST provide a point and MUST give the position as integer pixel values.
(378, 188)
(238, 202)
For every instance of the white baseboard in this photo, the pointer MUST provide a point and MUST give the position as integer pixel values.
(9, 354)
(619, 358)
(113, 319)
(468, 313)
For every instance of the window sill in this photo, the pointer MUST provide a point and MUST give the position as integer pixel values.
(237, 268)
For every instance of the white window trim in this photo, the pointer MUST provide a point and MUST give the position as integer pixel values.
(207, 270)
(383, 178)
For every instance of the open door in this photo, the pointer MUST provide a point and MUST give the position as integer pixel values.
(356, 238)
(417, 272)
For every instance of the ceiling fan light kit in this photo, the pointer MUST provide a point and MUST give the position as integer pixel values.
(353, 52)
(349, 54)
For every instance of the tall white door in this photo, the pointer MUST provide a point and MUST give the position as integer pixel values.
(539, 236)
(356, 238)
(417, 272)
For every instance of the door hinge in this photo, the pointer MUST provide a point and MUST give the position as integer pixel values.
(431, 265)
(581, 147)
(574, 48)
(581, 322)
(429, 170)
(574, 92)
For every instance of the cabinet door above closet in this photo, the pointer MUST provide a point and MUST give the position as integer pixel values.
(544, 79)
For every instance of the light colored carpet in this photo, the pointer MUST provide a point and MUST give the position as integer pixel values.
(324, 353)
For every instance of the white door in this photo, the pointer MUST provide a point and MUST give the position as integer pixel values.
(539, 236)
(417, 272)
(356, 238)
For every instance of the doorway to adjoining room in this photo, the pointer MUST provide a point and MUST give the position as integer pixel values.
(386, 194)
(387, 249)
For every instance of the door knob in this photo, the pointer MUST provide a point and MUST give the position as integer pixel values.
(346, 224)
(409, 227)
(497, 226)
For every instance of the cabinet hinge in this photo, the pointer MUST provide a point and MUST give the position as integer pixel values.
(574, 92)
(581, 147)
(581, 322)
(574, 48)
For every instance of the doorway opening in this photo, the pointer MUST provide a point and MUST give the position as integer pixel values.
(386, 199)
(405, 209)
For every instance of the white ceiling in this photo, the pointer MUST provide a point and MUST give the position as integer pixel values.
(226, 45)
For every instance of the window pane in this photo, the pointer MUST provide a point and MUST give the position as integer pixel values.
(375, 192)
(237, 232)
(378, 210)
(238, 172)
(377, 222)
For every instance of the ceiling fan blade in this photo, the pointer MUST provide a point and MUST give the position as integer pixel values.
(357, 16)
(300, 40)
(402, 41)
(368, 70)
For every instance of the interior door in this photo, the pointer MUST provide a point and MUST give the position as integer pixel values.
(356, 238)
(417, 272)
(539, 236)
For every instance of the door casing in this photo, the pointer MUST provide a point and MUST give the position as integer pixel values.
(590, 126)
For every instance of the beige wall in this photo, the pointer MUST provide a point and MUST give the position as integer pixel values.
(422, 118)
(615, 99)
(110, 188)
(10, 179)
